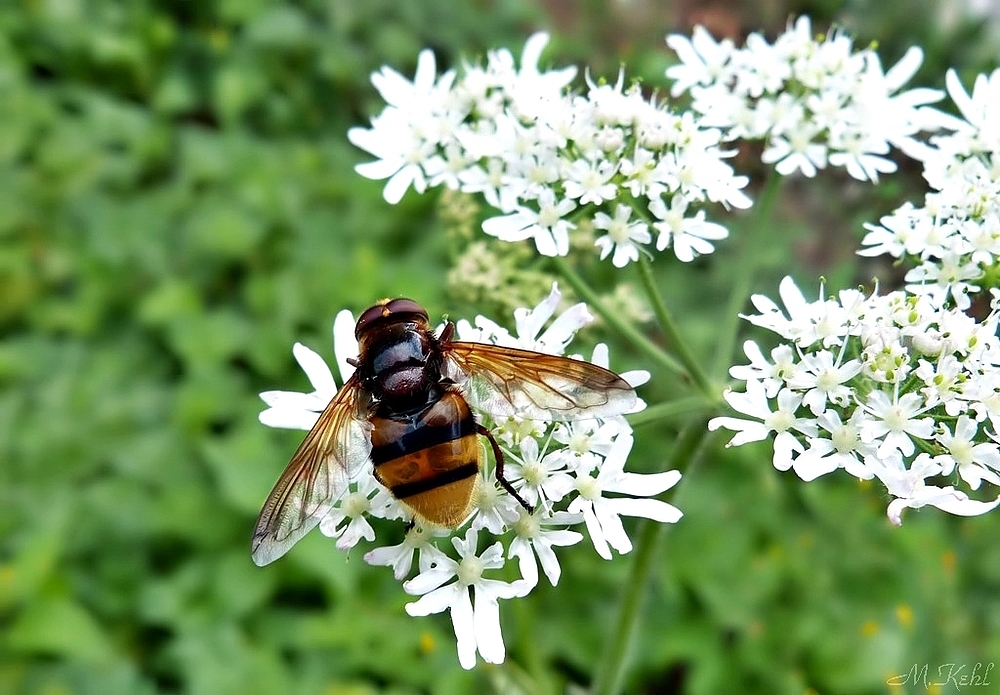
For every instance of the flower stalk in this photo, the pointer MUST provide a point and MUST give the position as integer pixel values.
(669, 410)
(744, 273)
(611, 670)
(622, 327)
(673, 333)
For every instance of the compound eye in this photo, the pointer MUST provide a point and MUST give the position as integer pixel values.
(368, 316)
(406, 306)
(386, 308)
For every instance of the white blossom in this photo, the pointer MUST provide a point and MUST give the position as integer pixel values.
(547, 158)
(889, 387)
(476, 619)
(572, 473)
(813, 101)
(954, 237)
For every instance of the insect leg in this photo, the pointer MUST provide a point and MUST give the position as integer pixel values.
(498, 471)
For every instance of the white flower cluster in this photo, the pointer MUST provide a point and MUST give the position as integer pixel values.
(571, 473)
(814, 102)
(547, 158)
(955, 236)
(889, 387)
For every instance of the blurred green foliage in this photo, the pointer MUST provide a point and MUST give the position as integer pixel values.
(179, 206)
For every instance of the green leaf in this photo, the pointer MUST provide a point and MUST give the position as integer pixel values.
(58, 625)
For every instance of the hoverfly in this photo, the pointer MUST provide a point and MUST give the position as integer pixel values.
(406, 412)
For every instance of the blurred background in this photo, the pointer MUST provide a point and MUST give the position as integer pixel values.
(178, 206)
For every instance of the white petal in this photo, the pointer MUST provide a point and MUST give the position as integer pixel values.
(612, 527)
(423, 79)
(358, 528)
(430, 580)
(437, 600)
(501, 589)
(565, 326)
(958, 95)
(521, 549)
(486, 621)
(288, 419)
(895, 511)
(900, 73)
(546, 243)
(809, 467)
(792, 297)
(344, 344)
(955, 504)
(512, 227)
(747, 430)
(399, 557)
(561, 538)
(550, 564)
(316, 369)
(784, 444)
(463, 621)
(396, 187)
(649, 508)
(293, 400)
(532, 51)
(529, 323)
(593, 527)
(379, 169)
(600, 356)
(644, 485)
(635, 377)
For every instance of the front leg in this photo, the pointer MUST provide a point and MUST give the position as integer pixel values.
(498, 471)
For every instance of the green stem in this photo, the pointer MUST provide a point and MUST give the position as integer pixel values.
(672, 332)
(534, 661)
(623, 327)
(688, 405)
(611, 669)
(752, 245)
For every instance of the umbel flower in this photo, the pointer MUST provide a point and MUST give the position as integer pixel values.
(954, 238)
(888, 387)
(547, 158)
(573, 474)
(814, 101)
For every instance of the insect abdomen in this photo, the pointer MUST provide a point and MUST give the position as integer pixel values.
(431, 462)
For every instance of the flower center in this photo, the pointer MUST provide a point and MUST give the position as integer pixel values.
(579, 443)
(591, 181)
(548, 216)
(674, 219)
(486, 496)
(588, 488)
(355, 505)
(618, 231)
(527, 526)
(470, 570)
(828, 380)
(896, 419)
(845, 439)
(961, 451)
(416, 537)
(780, 420)
(534, 473)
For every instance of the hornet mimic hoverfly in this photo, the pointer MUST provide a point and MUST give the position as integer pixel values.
(406, 412)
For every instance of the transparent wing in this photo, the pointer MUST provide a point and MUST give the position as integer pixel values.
(506, 381)
(336, 448)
